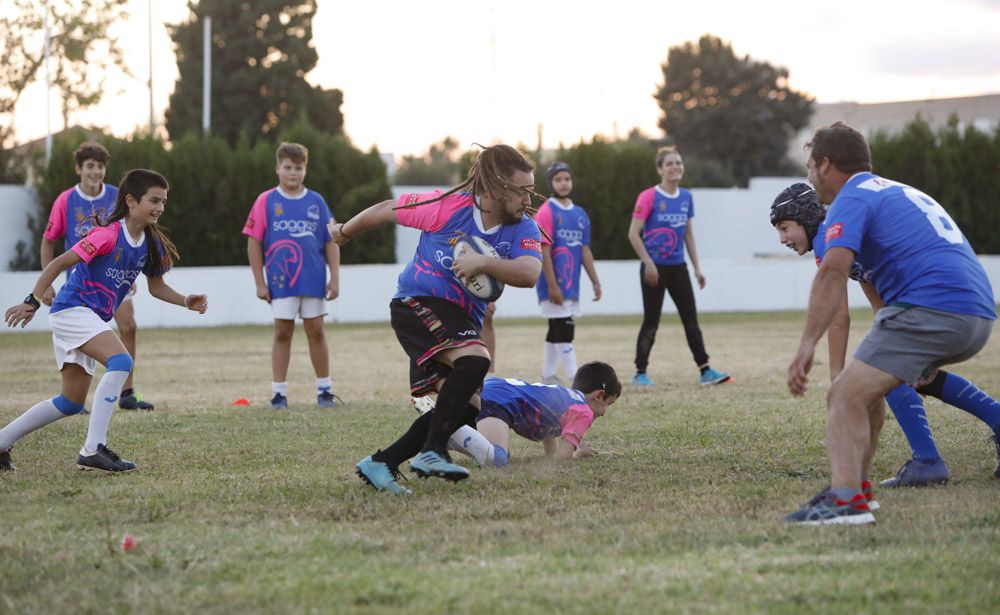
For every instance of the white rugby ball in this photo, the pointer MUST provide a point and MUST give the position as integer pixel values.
(481, 285)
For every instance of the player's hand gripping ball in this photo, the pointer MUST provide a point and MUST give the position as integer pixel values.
(482, 285)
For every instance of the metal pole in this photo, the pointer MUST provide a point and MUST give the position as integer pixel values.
(48, 90)
(206, 77)
(149, 39)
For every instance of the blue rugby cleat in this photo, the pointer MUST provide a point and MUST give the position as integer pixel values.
(430, 463)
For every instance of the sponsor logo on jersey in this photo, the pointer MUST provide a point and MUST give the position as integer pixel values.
(835, 231)
(88, 247)
(572, 237)
(278, 209)
(48, 227)
(122, 277)
(118, 255)
(673, 219)
(250, 223)
(297, 228)
(313, 212)
(531, 244)
(412, 198)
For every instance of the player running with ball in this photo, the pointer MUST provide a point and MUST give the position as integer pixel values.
(436, 319)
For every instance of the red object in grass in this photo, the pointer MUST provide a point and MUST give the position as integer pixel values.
(243, 401)
(129, 542)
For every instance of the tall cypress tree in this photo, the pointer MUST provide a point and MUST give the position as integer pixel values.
(261, 54)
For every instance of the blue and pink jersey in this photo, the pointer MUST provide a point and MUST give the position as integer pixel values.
(73, 212)
(569, 228)
(112, 260)
(429, 273)
(908, 246)
(539, 411)
(666, 218)
(294, 233)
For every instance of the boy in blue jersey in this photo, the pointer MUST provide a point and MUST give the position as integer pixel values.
(558, 288)
(556, 416)
(798, 218)
(939, 306)
(661, 230)
(73, 215)
(436, 319)
(287, 236)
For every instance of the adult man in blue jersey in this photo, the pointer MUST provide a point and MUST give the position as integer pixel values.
(939, 306)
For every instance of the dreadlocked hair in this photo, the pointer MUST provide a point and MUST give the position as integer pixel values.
(490, 174)
(161, 252)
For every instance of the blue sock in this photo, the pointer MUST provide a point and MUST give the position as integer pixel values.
(908, 408)
(961, 393)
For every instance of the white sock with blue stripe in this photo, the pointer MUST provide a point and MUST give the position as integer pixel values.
(38, 416)
(105, 396)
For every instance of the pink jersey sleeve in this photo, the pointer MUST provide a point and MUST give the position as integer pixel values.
(544, 220)
(257, 220)
(56, 228)
(98, 242)
(643, 205)
(575, 422)
(429, 217)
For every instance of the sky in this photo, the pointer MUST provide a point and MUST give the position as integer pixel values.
(484, 71)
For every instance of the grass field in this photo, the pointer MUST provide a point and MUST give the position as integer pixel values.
(246, 510)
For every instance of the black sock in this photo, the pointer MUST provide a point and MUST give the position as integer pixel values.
(466, 377)
(408, 445)
(704, 368)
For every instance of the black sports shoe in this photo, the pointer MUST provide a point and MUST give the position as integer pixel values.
(130, 400)
(5, 463)
(104, 459)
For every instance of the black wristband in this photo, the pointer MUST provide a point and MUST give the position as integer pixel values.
(32, 301)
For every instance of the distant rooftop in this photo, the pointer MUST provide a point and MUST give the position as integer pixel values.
(983, 112)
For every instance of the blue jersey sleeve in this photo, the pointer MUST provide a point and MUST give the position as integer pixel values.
(847, 223)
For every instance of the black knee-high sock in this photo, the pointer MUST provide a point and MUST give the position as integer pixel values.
(407, 445)
(465, 378)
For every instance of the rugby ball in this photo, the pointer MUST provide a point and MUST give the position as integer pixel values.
(481, 285)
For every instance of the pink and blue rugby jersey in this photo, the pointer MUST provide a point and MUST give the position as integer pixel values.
(111, 263)
(666, 220)
(73, 211)
(570, 231)
(540, 411)
(908, 246)
(429, 273)
(294, 233)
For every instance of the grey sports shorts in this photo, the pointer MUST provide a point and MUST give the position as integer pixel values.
(911, 342)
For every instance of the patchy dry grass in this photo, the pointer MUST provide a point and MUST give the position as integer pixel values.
(242, 509)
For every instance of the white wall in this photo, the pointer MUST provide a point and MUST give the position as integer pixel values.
(746, 267)
(734, 284)
(17, 203)
(729, 222)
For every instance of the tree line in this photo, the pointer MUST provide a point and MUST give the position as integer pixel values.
(213, 185)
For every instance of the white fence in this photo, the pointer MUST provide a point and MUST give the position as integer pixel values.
(747, 270)
(749, 284)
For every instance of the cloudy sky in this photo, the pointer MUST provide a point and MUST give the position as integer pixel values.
(415, 72)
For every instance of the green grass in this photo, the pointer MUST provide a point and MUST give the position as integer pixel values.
(247, 510)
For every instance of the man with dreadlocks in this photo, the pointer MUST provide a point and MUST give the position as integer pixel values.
(799, 220)
(939, 306)
(436, 320)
